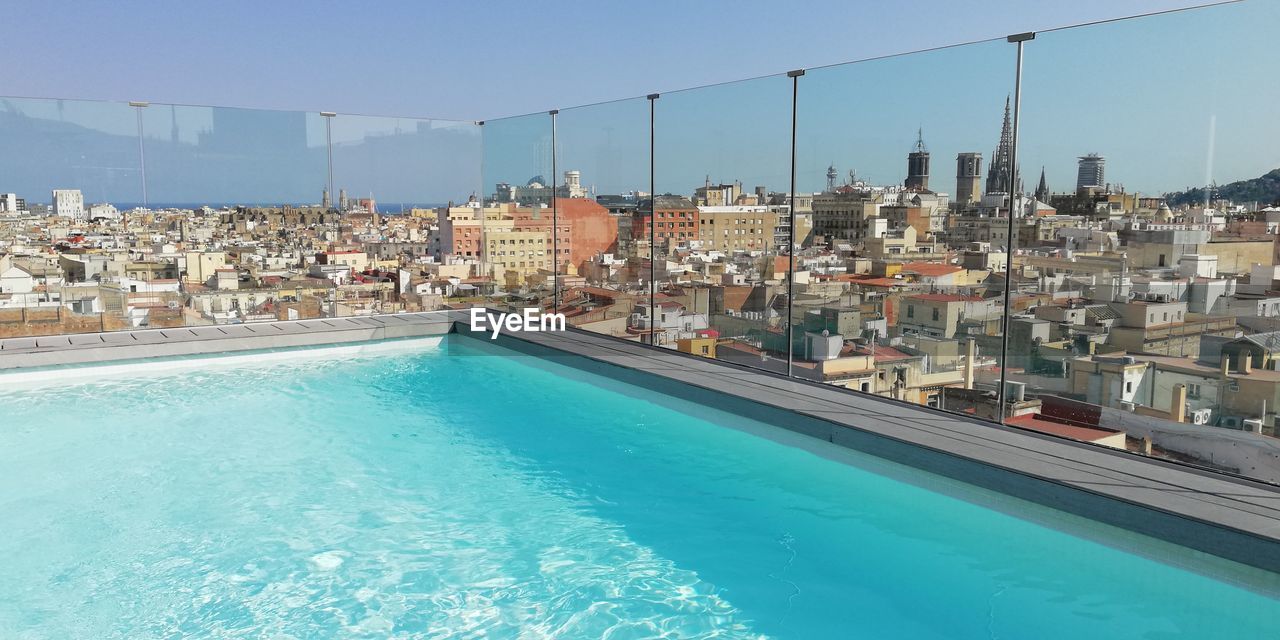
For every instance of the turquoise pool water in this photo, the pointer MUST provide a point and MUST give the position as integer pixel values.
(431, 494)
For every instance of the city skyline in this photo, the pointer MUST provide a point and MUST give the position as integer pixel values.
(859, 116)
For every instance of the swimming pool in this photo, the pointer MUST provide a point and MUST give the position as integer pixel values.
(431, 494)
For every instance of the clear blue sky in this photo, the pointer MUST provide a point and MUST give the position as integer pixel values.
(471, 59)
(1171, 101)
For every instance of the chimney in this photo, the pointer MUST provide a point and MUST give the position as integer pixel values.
(1246, 363)
(1178, 405)
(1224, 367)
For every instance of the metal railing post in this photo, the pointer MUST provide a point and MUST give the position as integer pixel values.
(1010, 239)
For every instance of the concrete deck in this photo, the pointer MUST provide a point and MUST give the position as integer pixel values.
(85, 348)
(1225, 516)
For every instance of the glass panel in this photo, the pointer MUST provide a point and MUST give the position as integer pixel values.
(70, 175)
(393, 176)
(1146, 306)
(604, 150)
(237, 219)
(226, 156)
(903, 251)
(723, 171)
(507, 243)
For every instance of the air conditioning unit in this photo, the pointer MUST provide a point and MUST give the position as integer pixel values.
(1201, 416)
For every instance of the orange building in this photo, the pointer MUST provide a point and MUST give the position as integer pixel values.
(581, 229)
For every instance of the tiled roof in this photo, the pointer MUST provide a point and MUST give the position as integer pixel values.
(930, 268)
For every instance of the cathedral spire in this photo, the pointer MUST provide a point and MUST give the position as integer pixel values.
(1042, 189)
(1000, 169)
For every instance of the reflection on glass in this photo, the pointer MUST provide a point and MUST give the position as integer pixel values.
(503, 238)
(902, 169)
(237, 195)
(1145, 307)
(69, 175)
(405, 163)
(719, 221)
(221, 156)
(604, 259)
(393, 177)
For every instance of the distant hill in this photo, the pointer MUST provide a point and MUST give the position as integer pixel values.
(1264, 189)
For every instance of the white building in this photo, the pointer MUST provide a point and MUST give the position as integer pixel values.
(103, 210)
(11, 203)
(537, 191)
(16, 279)
(69, 203)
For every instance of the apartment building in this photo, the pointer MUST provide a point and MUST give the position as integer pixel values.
(736, 228)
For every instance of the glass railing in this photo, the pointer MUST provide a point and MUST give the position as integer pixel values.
(604, 152)
(1145, 308)
(513, 223)
(890, 158)
(146, 215)
(398, 180)
(1071, 232)
(722, 261)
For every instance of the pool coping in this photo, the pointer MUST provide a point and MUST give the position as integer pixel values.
(88, 348)
(1226, 516)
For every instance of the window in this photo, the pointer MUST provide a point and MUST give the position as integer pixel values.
(1193, 390)
(1128, 386)
(935, 314)
(911, 311)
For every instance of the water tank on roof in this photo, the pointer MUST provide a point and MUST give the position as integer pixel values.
(824, 346)
(1015, 391)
